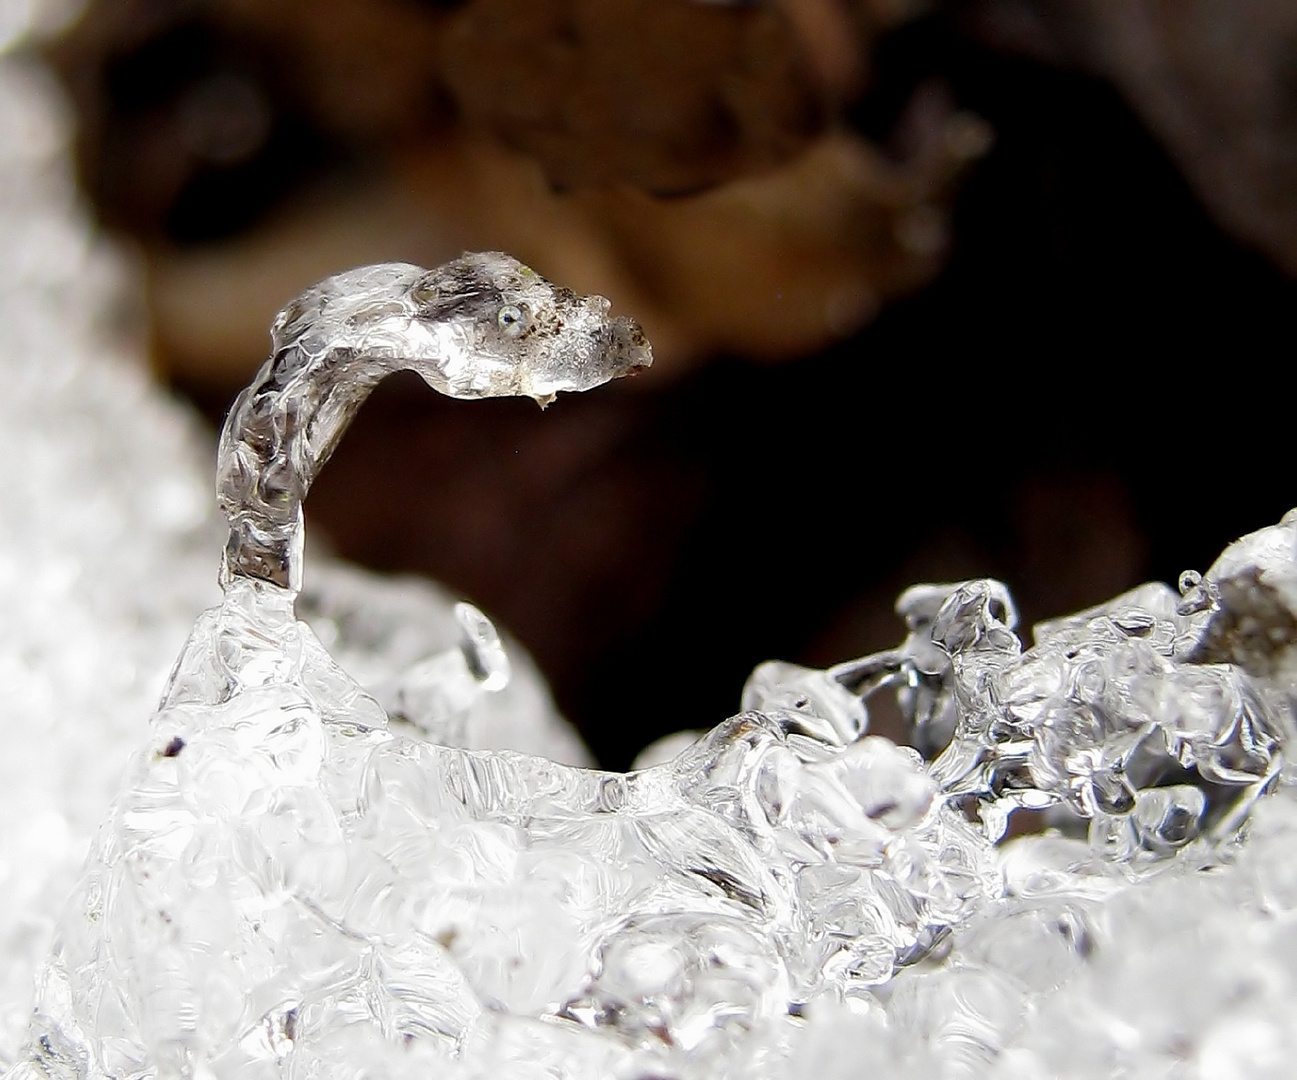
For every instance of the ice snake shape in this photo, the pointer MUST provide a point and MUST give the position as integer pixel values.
(482, 325)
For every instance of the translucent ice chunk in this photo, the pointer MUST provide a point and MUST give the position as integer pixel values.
(809, 697)
(481, 326)
(276, 843)
(1108, 703)
(1249, 597)
(282, 867)
(300, 876)
(440, 669)
(106, 539)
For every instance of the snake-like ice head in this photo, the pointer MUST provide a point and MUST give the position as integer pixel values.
(482, 325)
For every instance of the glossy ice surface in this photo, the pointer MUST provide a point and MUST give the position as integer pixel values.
(288, 885)
(285, 886)
(101, 487)
(483, 325)
(106, 540)
(302, 873)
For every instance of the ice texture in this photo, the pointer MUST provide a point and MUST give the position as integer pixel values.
(287, 886)
(105, 534)
(303, 877)
(282, 865)
(106, 542)
(436, 664)
(303, 868)
(483, 325)
(281, 861)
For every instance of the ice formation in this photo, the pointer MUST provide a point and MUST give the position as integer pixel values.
(106, 547)
(304, 873)
(101, 487)
(287, 885)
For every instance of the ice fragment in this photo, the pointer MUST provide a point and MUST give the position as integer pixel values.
(105, 549)
(304, 875)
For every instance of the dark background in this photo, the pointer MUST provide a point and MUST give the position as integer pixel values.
(1090, 386)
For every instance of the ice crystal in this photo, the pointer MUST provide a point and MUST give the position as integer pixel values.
(288, 884)
(102, 494)
(279, 850)
(105, 555)
(309, 871)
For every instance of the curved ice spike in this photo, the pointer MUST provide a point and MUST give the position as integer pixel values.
(483, 325)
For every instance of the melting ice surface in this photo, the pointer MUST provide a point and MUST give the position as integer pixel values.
(297, 877)
(286, 887)
(106, 541)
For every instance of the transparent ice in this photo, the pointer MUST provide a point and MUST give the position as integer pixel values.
(106, 541)
(303, 872)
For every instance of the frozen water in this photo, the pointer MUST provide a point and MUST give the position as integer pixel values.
(481, 326)
(287, 885)
(436, 665)
(105, 552)
(282, 866)
(300, 877)
(103, 497)
(278, 849)
(304, 872)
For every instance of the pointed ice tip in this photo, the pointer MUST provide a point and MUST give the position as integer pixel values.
(629, 348)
